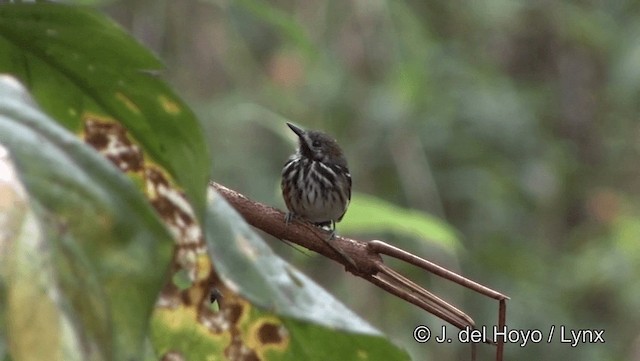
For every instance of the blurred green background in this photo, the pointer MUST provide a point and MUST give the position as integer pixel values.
(516, 122)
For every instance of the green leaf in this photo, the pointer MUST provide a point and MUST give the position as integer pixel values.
(368, 214)
(319, 326)
(80, 65)
(88, 252)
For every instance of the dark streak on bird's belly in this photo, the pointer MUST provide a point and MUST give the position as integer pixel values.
(315, 180)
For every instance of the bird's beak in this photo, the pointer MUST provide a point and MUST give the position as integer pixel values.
(300, 132)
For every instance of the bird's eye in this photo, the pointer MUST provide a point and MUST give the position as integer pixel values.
(316, 143)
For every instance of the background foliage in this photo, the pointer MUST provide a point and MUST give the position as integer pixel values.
(515, 121)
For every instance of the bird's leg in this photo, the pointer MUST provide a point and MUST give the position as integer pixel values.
(289, 217)
(332, 229)
(332, 236)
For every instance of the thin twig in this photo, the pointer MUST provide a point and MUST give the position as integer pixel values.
(389, 250)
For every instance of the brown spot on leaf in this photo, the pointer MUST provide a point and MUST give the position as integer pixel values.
(237, 350)
(111, 140)
(234, 312)
(156, 177)
(163, 206)
(269, 333)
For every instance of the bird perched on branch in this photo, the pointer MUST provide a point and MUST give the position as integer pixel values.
(316, 183)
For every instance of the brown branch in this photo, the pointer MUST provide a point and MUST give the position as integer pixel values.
(305, 234)
(364, 259)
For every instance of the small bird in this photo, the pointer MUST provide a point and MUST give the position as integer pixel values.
(316, 183)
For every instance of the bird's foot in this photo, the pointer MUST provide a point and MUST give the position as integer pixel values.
(289, 217)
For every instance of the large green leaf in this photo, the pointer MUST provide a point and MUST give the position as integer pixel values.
(318, 327)
(88, 252)
(79, 65)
